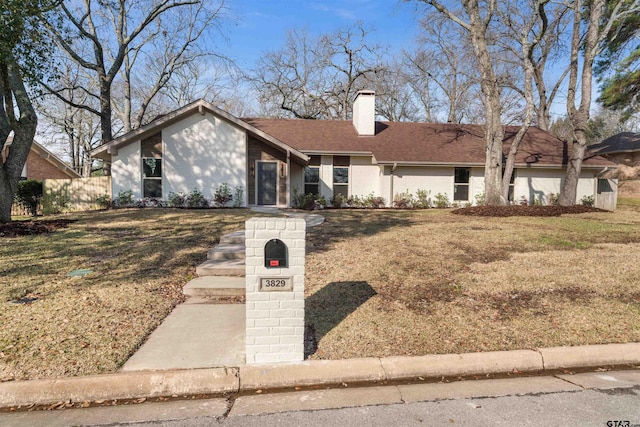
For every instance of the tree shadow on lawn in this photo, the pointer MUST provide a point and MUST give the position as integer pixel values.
(329, 306)
(350, 223)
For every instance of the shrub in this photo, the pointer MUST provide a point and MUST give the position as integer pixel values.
(338, 200)
(403, 200)
(523, 201)
(223, 195)
(55, 202)
(177, 200)
(480, 199)
(374, 202)
(104, 201)
(354, 201)
(150, 202)
(195, 199)
(588, 201)
(238, 196)
(423, 199)
(124, 199)
(554, 199)
(29, 194)
(321, 202)
(442, 201)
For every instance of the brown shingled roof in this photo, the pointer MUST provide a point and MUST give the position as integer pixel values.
(426, 143)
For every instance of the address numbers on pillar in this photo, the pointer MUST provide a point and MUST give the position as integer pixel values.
(275, 284)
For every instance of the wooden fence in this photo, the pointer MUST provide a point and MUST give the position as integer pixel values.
(79, 193)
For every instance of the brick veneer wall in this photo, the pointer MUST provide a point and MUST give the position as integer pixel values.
(39, 168)
(275, 320)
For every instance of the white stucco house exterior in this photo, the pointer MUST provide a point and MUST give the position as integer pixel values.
(200, 146)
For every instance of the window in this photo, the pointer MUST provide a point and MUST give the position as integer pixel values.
(312, 176)
(512, 186)
(152, 167)
(341, 175)
(461, 184)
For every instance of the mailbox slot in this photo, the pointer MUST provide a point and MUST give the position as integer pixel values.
(276, 254)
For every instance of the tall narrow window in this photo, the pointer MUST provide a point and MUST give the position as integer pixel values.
(152, 167)
(312, 176)
(461, 184)
(512, 186)
(341, 175)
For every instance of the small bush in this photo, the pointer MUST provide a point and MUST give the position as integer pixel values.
(554, 199)
(104, 201)
(423, 199)
(29, 194)
(403, 200)
(480, 199)
(588, 201)
(150, 202)
(124, 199)
(374, 202)
(195, 199)
(55, 202)
(442, 201)
(223, 195)
(355, 202)
(176, 200)
(523, 201)
(238, 196)
(338, 200)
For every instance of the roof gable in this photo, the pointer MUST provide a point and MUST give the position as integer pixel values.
(197, 107)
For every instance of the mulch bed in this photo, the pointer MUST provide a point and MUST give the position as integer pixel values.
(30, 228)
(517, 210)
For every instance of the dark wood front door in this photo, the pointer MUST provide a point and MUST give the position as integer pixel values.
(267, 183)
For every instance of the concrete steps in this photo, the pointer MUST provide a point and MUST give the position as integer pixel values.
(215, 286)
(221, 267)
(236, 238)
(221, 276)
(227, 251)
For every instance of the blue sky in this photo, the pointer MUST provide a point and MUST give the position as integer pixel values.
(262, 25)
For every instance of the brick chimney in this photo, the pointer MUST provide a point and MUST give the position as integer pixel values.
(364, 113)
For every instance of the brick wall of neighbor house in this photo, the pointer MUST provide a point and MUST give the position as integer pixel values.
(40, 168)
(259, 150)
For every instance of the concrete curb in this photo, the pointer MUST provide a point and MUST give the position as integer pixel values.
(219, 381)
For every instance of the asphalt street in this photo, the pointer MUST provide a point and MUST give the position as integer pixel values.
(589, 399)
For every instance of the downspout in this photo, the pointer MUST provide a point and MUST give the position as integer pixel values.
(288, 179)
(393, 168)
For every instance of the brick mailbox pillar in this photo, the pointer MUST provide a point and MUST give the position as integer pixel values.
(275, 252)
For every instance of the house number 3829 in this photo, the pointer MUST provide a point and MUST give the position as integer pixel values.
(276, 284)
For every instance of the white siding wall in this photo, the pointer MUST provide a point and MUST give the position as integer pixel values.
(364, 177)
(413, 178)
(203, 151)
(326, 177)
(535, 183)
(296, 180)
(126, 170)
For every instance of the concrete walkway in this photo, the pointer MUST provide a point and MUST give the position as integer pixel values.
(208, 329)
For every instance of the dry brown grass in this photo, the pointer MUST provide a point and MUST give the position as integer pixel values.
(92, 324)
(421, 282)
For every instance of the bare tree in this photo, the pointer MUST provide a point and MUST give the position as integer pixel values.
(396, 98)
(443, 59)
(317, 78)
(100, 36)
(588, 33)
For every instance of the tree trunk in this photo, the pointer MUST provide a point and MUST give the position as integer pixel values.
(580, 116)
(24, 129)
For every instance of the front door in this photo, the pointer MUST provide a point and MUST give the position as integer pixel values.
(267, 183)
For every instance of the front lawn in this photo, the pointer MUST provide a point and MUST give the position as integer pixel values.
(53, 324)
(378, 283)
(423, 282)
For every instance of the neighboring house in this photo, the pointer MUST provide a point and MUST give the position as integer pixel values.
(43, 164)
(623, 148)
(200, 146)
